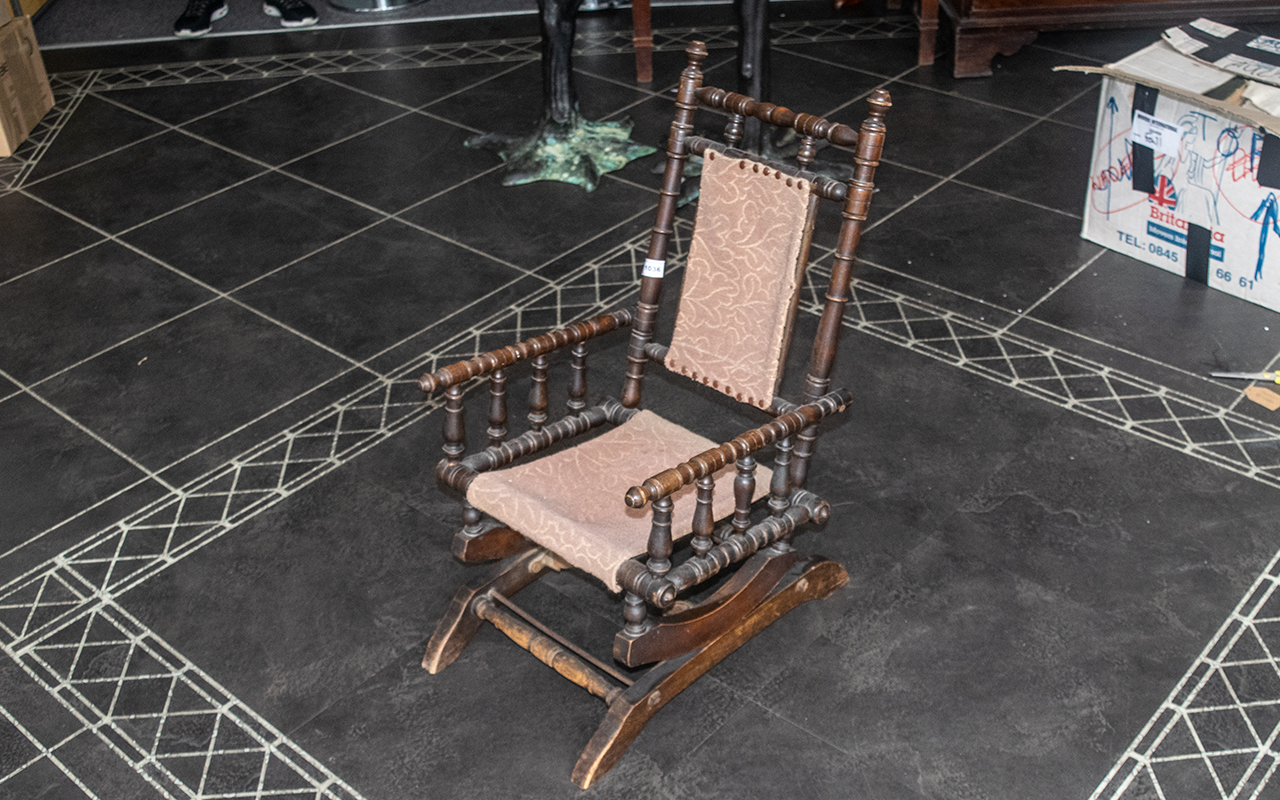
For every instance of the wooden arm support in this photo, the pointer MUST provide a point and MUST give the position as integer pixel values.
(670, 481)
(578, 332)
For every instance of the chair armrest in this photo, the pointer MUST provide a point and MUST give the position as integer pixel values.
(464, 371)
(670, 481)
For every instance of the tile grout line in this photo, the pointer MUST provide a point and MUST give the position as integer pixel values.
(130, 460)
(45, 753)
(1026, 313)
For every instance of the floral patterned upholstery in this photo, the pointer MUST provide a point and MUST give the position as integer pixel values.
(571, 502)
(750, 243)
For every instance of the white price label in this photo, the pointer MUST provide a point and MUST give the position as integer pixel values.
(653, 268)
(1157, 134)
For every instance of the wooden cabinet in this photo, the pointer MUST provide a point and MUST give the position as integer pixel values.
(984, 28)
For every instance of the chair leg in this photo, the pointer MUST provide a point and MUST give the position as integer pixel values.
(642, 40)
(460, 623)
(812, 579)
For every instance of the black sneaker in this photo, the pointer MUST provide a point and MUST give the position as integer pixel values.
(292, 13)
(198, 19)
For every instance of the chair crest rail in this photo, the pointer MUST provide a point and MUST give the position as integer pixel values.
(484, 363)
(803, 124)
(670, 481)
(824, 187)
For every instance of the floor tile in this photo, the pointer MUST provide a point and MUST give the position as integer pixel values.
(70, 524)
(1081, 112)
(101, 770)
(1106, 545)
(186, 383)
(896, 186)
(293, 120)
(16, 751)
(887, 57)
(398, 164)
(96, 128)
(574, 286)
(367, 293)
(212, 455)
(418, 87)
(433, 726)
(919, 115)
(45, 779)
(36, 710)
(276, 220)
(176, 168)
(1098, 45)
(740, 760)
(531, 224)
(84, 304)
(184, 102)
(816, 87)
(1047, 165)
(1024, 81)
(36, 235)
(952, 239)
(512, 102)
(51, 470)
(290, 612)
(1143, 309)
(621, 67)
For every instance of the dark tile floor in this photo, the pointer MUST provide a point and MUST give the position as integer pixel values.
(223, 549)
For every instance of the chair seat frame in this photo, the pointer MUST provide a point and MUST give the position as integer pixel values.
(680, 640)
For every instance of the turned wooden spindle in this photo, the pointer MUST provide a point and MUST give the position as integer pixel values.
(635, 614)
(455, 425)
(780, 486)
(497, 408)
(704, 518)
(538, 400)
(578, 379)
(744, 486)
(660, 545)
(646, 316)
(733, 130)
(870, 144)
(808, 151)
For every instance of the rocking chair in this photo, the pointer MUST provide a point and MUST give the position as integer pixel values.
(581, 506)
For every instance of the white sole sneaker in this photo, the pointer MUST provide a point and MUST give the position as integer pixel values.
(272, 11)
(188, 33)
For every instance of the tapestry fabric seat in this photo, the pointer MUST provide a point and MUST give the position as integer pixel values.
(571, 501)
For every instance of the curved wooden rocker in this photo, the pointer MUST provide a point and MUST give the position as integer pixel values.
(580, 506)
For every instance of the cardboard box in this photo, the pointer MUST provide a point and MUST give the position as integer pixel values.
(30, 7)
(25, 96)
(1188, 197)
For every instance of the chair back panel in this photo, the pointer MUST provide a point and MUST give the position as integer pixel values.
(742, 278)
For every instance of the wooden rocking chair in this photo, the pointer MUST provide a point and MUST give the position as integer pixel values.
(580, 506)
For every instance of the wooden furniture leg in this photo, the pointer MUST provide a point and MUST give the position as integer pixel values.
(460, 623)
(812, 579)
(642, 40)
(927, 23)
(976, 47)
